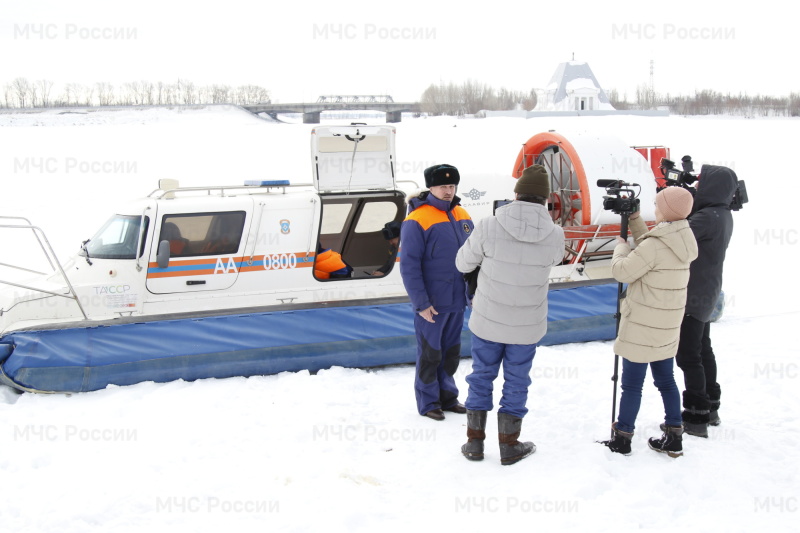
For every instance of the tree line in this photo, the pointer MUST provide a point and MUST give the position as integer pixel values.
(23, 93)
(452, 99)
(471, 97)
(708, 102)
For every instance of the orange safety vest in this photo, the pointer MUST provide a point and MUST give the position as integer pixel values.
(327, 262)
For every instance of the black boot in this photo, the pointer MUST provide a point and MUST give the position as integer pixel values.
(713, 414)
(670, 443)
(512, 450)
(621, 442)
(695, 422)
(476, 434)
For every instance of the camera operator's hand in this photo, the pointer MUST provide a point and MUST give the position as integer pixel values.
(635, 211)
(620, 240)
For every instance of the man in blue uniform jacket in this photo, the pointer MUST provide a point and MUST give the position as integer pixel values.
(433, 231)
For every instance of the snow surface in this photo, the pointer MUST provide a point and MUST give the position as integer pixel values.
(345, 450)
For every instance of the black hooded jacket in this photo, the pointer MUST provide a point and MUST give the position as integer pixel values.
(712, 224)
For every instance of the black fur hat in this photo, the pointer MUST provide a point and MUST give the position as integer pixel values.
(443, 174)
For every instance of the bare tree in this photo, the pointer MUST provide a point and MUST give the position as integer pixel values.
(148, 93)
(105, 93)
(187, 92)
(794, 105)
(530, 101)
(616, 101)
(220, 94)
(43, 88)
(69, 94)
(474, 96)
(131, 93)
(645, 97)
(22, 88)
(8, 95)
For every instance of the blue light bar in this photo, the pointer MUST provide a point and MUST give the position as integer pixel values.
(267, 183)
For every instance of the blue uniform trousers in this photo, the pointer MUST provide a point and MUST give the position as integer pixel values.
(438, 355)
(487, 356)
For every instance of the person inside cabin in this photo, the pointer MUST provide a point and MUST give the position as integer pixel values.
(170, 232)
(390, 232)
(329, 264)
(225, 235)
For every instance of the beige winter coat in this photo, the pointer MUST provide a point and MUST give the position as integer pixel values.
(657, 273)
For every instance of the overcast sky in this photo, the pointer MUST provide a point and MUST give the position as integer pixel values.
(301, 50)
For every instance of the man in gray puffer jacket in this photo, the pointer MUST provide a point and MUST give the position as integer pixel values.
(515, 250)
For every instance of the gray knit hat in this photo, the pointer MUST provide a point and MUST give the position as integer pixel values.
(534, 181)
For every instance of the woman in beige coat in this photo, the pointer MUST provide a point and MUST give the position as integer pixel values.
(657, 273)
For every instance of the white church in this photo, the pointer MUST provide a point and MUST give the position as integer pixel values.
(573, 87)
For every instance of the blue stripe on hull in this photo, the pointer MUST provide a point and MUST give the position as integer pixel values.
(85, 359)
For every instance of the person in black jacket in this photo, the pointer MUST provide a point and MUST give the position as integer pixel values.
(712, 224)
(390, 232)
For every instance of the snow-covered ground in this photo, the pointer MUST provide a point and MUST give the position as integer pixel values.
(344, 450)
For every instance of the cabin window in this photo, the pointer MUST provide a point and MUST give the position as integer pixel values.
(196, 234)
(334, 218)
(117, 238)
(375, 215)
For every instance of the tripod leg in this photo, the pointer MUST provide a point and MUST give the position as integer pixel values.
(615, 378)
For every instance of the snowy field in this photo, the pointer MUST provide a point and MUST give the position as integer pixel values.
(345, 450)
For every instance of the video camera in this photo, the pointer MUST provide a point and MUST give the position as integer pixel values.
(676, 178)
(614, 201)
(739, 197)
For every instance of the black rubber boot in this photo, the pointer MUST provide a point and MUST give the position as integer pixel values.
(512, 450)
(670, 443)
(695, 422)
(620, 442)
(476, 434)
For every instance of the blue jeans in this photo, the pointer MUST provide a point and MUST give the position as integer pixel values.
(516, 359)
(633, 375)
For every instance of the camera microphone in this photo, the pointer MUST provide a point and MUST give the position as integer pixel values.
(608, 183)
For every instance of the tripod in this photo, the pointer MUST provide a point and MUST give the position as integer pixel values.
(623, 232)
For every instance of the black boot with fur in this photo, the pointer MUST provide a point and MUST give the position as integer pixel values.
(713, 414)
(670, 443)
(620, 442)
(695, 422)
(476, 434)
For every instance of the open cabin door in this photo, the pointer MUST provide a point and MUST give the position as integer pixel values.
(352, 225)
(353, 158)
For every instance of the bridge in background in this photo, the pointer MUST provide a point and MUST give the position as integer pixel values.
(311, 111)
